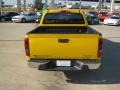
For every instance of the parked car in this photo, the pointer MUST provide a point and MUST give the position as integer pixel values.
(93, 13)
(8, 16)
(37, 20)
(115, 14)
(92, 19)
(38, 13)
(112, 20)
(103, 15)
(25, 17)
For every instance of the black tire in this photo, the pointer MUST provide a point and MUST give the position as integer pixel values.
(2, 20)
(23, 20)
(119, 24)
(97, 23)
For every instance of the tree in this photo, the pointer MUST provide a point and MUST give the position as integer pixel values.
(38, 4)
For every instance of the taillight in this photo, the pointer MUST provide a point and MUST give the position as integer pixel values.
(100, 44)
(27, 49)
(64, 12)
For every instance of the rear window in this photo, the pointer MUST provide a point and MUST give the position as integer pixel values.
(63, 18)
(115, 18)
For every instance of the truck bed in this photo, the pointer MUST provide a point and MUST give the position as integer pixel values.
(63, 30)
(63, 43)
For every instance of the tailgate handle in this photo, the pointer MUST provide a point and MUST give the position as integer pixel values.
(63, 40)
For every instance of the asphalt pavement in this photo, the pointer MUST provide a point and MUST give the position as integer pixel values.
(16, 75)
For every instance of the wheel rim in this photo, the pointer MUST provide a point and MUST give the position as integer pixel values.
(23, 20)
(92, 22)
(2, 19)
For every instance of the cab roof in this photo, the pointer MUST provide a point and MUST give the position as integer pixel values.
(69, 10)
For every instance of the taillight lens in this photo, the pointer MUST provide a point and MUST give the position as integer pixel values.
(64, 12)
(27, 49)
(100, 44)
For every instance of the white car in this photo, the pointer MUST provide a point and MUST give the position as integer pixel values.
(37, 20)
(112, 20)
(38, 13)
(25, 17)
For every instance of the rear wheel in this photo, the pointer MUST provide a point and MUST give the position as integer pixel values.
(2, 20)
(97, 23)
(119, 24)
(23, 20)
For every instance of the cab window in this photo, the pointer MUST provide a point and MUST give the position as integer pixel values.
(63, 18)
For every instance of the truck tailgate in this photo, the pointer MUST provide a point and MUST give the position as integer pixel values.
(63, 46)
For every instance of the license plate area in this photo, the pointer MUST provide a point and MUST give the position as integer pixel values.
(61, 63)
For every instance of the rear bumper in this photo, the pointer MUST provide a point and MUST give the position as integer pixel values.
(92, 64)
(111, 24)
(77, 65)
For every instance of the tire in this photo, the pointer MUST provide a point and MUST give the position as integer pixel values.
(97, 23)
(23, 20)
(2, 20)
(119, 24)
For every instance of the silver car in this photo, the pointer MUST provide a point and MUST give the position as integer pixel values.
(25, 17)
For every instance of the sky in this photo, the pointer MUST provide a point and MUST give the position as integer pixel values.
(14, 2)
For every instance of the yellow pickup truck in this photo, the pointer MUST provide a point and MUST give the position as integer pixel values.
(64, 41)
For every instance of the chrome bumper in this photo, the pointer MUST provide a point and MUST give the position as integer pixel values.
(78, 65)
(111, 24)
(92, 64)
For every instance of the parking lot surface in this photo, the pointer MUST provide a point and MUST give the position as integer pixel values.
(16, 75)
